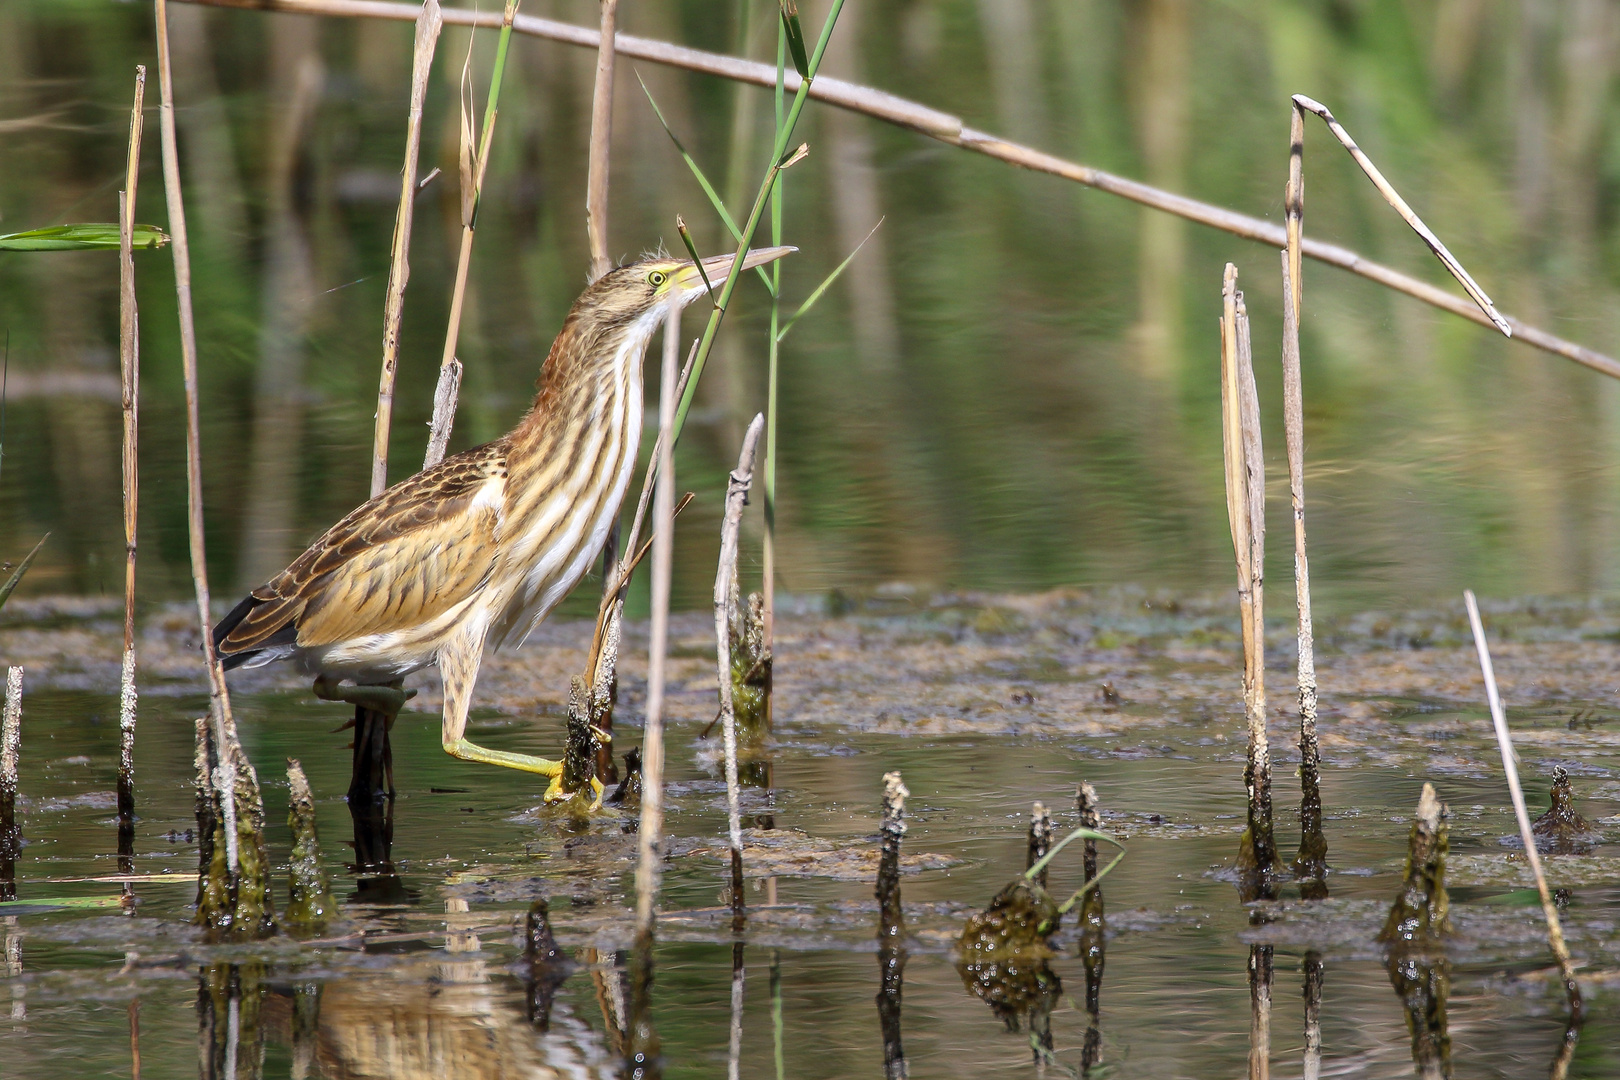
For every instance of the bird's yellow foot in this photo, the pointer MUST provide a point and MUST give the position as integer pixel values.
(388, 700)
(556, 794)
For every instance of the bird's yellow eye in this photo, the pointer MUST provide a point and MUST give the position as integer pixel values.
(657, 278)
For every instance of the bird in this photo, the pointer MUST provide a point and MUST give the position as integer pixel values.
(472, 553)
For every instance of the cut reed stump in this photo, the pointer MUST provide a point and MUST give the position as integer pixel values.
(309, 905)
(232, 903)
(891, 927)
(10, 748)
(1418, 925)
(1093, 931)
(1246, 512)
(1040, 840)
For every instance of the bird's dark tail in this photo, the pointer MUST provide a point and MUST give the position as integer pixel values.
(223, 628)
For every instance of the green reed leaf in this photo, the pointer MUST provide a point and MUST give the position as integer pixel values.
(795, 37)
(86, 236)
(826, 283)
(22, 568)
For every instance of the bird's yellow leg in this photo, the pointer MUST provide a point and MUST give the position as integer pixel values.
(468, 751)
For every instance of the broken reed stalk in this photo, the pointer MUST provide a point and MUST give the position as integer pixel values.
(725, 601)
(429, 21)
(663, 555)
(474, 163)
(1555, 932)
(1245, 505)
(596, 181)
(1394, 199)
(891, 929)
(242, 869)
(10, 747)
(1260, 972)
(129, 367)
(1310, 864)
(949, 129)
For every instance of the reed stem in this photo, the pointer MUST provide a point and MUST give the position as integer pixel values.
(1555, 932)
(129, 366)
(473, 166)
(1245, 504)
(949, 129)
(774, 348)
(663, 555)
(725, 603)
(429, 21)
(1310, 865)
(596, 182)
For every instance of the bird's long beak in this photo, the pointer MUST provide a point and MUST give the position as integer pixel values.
(716, 267)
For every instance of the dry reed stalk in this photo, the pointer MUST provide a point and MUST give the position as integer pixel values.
(725, 602)
(220, 701)
(429, 21)
(1555, 932)
(1310, 864)
(242, 881)
(1245, 505)
(129, 366)
(949, 129)
(474, 163)
(596, 182)
(1040, 840)
(663, 545)
(1394, 199)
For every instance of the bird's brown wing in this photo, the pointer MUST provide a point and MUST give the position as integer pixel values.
(396, 562)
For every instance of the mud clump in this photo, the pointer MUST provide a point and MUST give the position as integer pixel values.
(1004, 954)
(1562, 831)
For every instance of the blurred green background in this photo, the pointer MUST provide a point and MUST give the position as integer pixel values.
(1014, 386)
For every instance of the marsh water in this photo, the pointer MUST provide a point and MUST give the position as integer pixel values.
(984, 705)
(1013, 389)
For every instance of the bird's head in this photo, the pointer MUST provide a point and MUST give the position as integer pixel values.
(645, 290)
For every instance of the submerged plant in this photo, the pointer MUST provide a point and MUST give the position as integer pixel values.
(1561, 830)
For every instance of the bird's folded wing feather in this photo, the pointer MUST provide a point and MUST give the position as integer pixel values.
(396, 562)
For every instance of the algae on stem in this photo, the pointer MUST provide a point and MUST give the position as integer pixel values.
(310, 905)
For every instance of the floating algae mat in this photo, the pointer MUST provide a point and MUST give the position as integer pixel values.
(983, 704)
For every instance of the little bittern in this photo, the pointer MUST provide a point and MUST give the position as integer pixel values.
(475, 551)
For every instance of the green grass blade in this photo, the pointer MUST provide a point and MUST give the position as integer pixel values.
(826, 282)
(85, 236)
(116, 900)
(1081, 833)
(691, 248)
(795, 37)
(1063, 908)
(703, 181)
(22, 568)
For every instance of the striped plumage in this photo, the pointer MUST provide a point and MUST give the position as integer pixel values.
(475, 551)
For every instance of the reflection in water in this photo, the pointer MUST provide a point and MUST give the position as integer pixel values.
(1422, 981)
(546, 966)
(376, 879)
(14, 969)
(1260, 965)
(734, 1046)
(1313, 1015)
(645, 1059)
(230, 1043)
